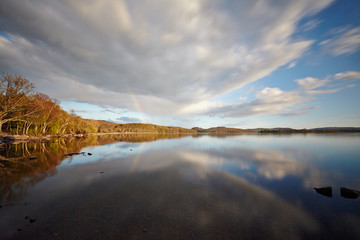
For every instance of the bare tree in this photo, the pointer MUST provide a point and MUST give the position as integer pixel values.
(14, 96)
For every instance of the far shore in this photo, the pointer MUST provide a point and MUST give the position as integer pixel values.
(11, 138)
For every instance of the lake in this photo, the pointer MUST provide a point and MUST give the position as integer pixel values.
(144, 186)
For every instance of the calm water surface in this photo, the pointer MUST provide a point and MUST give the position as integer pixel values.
(181, 187)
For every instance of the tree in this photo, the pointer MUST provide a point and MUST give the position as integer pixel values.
(49, 111)
(24, 111)
(14, 96)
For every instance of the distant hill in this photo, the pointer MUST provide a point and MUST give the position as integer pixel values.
(222, 130)
(337, 128)
(313, 130)
(109, 127)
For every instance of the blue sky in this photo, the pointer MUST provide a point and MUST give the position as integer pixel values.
(246, 64)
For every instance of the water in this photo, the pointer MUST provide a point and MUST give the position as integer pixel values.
(181, 187)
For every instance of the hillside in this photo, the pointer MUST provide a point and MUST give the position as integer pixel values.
(108, 127)
(222, 130)
(314, 130)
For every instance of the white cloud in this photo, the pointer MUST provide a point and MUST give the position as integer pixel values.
(291, 65)
(347, 75)
(314, 92)
(310, 83)
(269, 101)
(310, 25)
(273, 101)
(159, 56)
(343, 42)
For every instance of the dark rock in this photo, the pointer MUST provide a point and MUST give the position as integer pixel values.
(145, 230)
(349, 193)
(19, 229)
(26, 217)
(102, 172)
(72, 154)
(32, 220)
(89, 154)
(325, 191)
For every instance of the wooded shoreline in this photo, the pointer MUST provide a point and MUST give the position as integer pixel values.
(8, 138)
(27, 115)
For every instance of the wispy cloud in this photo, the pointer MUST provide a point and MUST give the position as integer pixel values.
(343, 41)
(151, 56)
(269, 101)
(310, 25)
(274, 101)
(310, 83)
(347, 75)
(314, 92)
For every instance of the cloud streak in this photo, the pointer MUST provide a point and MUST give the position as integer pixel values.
(347, 75)
(274, 101)
(344, 41)
(164, 56)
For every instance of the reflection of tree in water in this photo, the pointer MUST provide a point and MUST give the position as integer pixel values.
(24, 164)
(144, 137)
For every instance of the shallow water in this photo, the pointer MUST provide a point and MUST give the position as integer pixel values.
(181, 187)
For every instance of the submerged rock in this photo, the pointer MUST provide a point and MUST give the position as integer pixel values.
(72, 154)
(349, 193)
(325, 191)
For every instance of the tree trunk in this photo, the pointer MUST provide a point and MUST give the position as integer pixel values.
(36, 130)
(24, 127)
(27, 128)
(44, 129)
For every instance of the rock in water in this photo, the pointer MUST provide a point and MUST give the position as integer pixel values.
(349, 193)
(325, 191)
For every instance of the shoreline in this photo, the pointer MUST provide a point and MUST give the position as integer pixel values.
(6, 138)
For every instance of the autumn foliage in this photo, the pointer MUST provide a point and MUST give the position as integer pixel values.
(24, 111)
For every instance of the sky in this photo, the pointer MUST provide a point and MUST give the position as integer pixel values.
(204, 63)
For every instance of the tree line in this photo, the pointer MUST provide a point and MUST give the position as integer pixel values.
(25, 111)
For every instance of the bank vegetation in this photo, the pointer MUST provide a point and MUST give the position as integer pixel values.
(23, 111)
